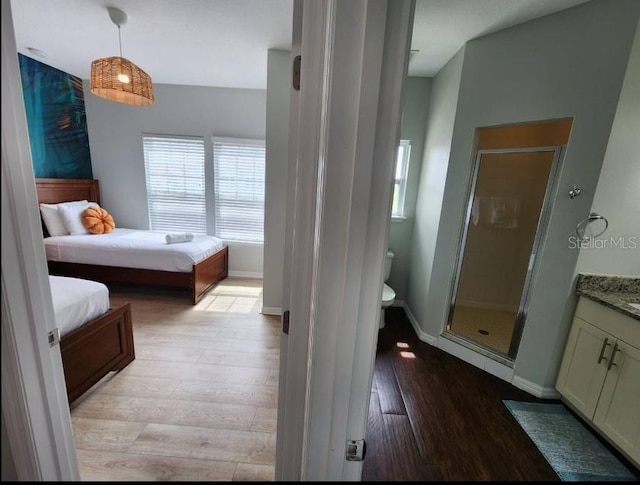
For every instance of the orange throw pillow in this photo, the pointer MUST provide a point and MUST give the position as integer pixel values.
(97, 220)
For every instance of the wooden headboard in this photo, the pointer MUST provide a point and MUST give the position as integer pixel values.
(54, 191)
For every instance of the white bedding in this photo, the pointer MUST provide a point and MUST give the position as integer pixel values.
(130, 248)
(77, 301)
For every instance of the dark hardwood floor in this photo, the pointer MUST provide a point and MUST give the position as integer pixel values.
(435, 417)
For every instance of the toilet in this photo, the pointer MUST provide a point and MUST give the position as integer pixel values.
(388, 295)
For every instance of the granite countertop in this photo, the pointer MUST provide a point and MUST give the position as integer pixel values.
(612, 291)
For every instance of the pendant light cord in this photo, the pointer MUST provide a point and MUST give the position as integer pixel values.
(120, 40)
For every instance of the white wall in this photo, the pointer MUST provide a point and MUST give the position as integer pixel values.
(277, 146)
(115, 138)
(569, 64)
(414, 125)
(617, 195)
(439, 132)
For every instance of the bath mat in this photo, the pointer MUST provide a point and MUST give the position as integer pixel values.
(573, 452)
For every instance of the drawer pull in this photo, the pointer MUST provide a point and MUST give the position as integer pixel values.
(605, 344)
(613, 356)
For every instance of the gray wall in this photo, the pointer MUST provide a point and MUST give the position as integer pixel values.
(414, 125)
(115, 138)
(618, 193)
(570, 64)
(277, 147)
(439, 133)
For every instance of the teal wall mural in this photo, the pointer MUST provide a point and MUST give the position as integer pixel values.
(57, 121)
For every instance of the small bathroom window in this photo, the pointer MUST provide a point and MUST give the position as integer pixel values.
(400, 184)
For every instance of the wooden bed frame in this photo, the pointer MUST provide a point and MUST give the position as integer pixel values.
(204, 275)
(96, 348)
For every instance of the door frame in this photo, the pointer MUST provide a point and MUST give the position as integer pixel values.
(341, 181)
(541, 229)
(34, 399)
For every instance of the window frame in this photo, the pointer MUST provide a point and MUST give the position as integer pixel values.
(399, 212)
(258, 142)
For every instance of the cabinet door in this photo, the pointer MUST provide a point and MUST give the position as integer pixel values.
(581, 375)
(618, 411)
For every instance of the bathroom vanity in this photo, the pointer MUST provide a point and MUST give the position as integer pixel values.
(599, 377)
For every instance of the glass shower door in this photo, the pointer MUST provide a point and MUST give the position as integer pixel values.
(498, 246)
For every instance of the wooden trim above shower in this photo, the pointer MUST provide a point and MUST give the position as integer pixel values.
(524, 135)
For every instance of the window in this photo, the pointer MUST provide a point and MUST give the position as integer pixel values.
(400, 185)
(238, 169)
(174, 168)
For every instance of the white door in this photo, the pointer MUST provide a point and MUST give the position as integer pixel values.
(353, 69)
(290, 404)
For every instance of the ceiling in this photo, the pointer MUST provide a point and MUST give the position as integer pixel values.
(441, 27)
(197, 42)
(225, 42)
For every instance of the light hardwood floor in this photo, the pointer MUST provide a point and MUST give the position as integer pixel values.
(199, 401)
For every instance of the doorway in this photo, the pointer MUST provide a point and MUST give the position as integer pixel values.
(509, 198)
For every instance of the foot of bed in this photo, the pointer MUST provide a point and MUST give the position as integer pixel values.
(208, 273)
(92, 351)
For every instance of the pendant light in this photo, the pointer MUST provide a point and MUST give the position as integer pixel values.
(118, 79)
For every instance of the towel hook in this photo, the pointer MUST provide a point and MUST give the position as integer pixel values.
(574, 192)
(593, 216)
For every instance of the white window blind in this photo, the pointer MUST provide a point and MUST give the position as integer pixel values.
(238, 167)
(174, 168)
(400, 185)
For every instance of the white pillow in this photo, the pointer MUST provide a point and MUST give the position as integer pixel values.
(71, 215)
(52, 218)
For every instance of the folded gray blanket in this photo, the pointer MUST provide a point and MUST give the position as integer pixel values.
(179, 237)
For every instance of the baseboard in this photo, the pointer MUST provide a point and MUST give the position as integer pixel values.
(424, 337)
(481, 361)
(535, 389)
(271, 310)
(245, 274)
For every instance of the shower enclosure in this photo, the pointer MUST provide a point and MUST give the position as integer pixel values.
(505, 218)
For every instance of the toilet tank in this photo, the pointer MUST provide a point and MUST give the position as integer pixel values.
(387, 264)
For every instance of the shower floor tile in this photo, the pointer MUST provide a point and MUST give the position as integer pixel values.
(491, 328)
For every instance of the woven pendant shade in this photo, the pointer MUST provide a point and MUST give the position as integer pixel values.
(108, 74)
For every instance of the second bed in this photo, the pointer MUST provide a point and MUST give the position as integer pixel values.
(95, 339)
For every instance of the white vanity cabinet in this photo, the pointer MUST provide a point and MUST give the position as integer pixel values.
(600, 374)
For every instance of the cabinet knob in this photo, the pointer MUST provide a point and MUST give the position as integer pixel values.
(605, 344)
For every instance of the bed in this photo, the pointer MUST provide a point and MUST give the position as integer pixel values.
(144, 258)
(94, 338)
